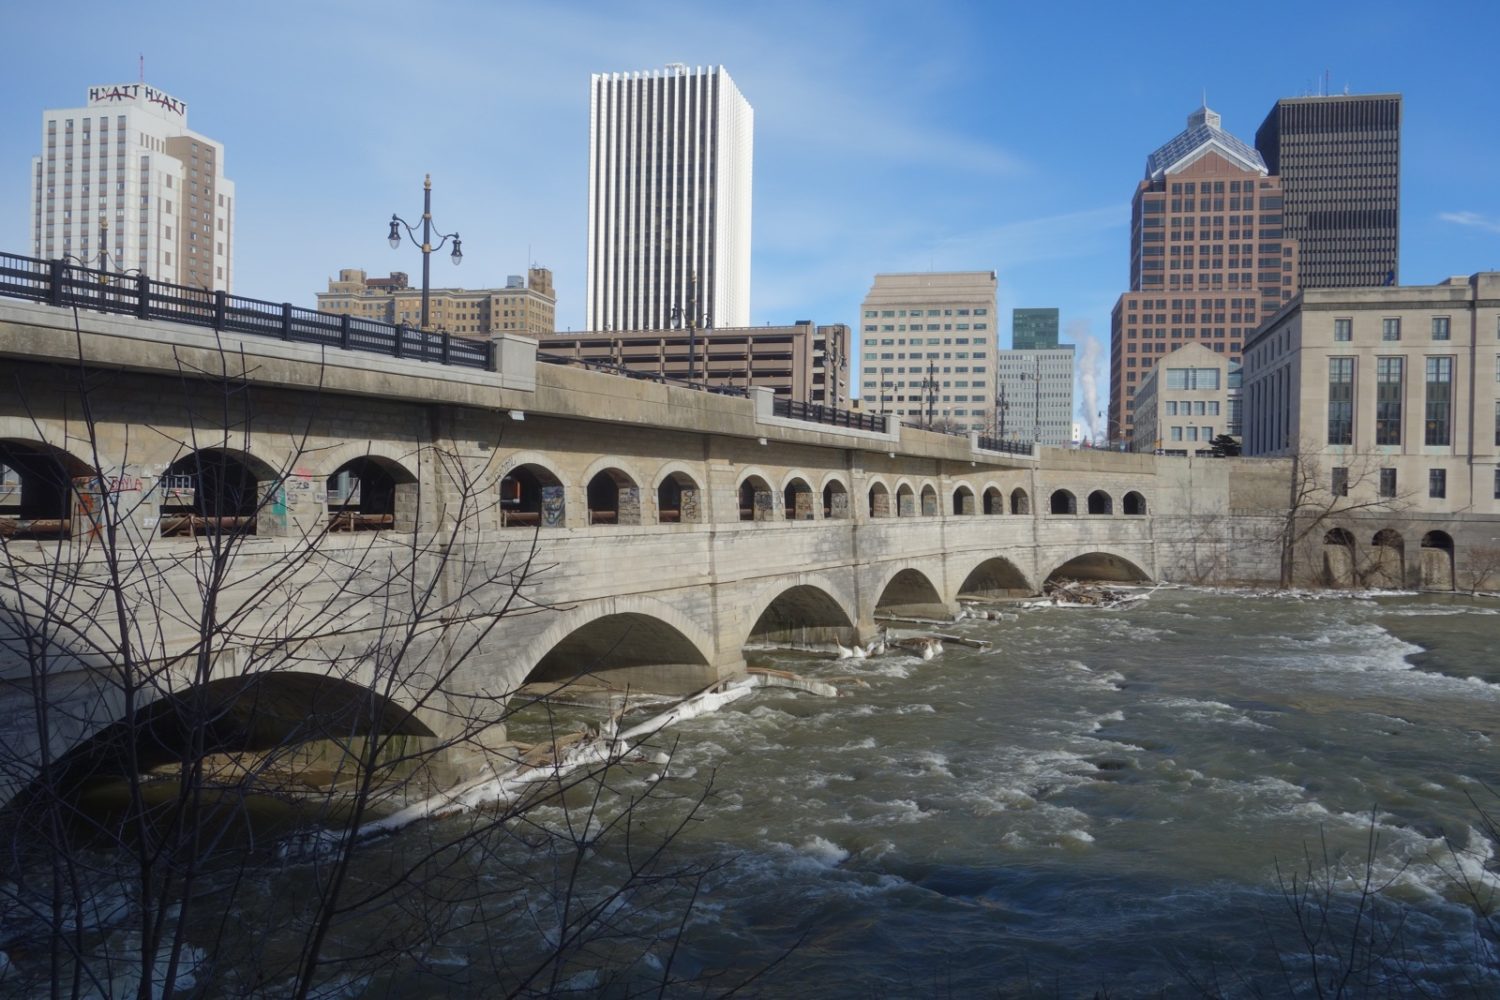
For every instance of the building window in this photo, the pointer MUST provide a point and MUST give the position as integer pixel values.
(1440, 328)
(1343, 329)
(1497, 483)
(1340, 481)
(1388, 482)
(1340, 400)
(1390, 329)
(1176, 433)
(1437, 483)
(1439, 400)
(1172, 408)
(1388, 392)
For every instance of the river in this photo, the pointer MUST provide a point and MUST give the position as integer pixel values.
(1112, 800)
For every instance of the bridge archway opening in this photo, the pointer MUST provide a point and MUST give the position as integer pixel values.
(994, 501)
(797, 501)
(1101, 502)
(1101, 567)
(1338, 558)
(677, 500)
(911, 593)
(1437, 561)
(215, 490)
(757, 500)
(963, 501)
(371, 494)
(531, 496)
(835, 501)
(929, 501)
(1387, 559)
(258, 713)
(1063, 502)
(37, 496)
(1134, 505)
(629, 649)
(906, 501)
(995, 577)
(613, 498)
(880, 500)
(1020, 501)
(802, 615)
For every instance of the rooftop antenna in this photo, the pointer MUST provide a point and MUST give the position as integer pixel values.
(143, 67)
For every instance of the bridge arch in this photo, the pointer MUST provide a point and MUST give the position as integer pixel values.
(37, 497)
(390, 453)
(613, 496)
(1387, 559)
(1134, 504)
(927, 500)
(531, 493)
(836, 498)
(808, 608)
(1101, 565)
(636, 641)
(906, 499)
(993, 500)
(910, 591)
(371, 493)
(964, 503)
(1436, 553)
(995, 576)
(1101, 502)
(1338, 558)
(212, 490)
(1020, 501)
(1062, 503)
(757, 501)
(679, 497)
(797, 500)
(879, 499)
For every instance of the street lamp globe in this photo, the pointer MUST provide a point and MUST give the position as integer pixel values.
(395, 234)
(458, 254)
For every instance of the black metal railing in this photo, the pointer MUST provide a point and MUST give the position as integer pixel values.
(1005, 445)
(817, 413)
(610, 368)
(59, 283)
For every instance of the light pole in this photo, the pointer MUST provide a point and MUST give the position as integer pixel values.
(930, 388)
(426, 244)
(692, 325)
(1036, 380)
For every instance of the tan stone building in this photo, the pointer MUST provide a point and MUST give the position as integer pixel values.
(1183, 403)
(801, 361)
(1387, 394)
(1209, 257)
(526, 305)
(927, 348)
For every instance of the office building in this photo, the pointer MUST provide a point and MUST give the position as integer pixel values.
(927, 348)
(1209, 258)
(123, 183)
(670, 156)
(1387, 393)
(1339, 160)
(802, 361)
(1034, 395)
(525, 305)
(1033, 329)
(1183, 402)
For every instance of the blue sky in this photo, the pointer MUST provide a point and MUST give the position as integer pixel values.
(889, 136)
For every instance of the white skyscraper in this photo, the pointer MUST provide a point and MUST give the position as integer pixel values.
(669, 200)
(127, 166)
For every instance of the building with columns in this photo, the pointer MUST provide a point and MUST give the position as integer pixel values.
(1209, 257)
(123, 183)
(670, 156)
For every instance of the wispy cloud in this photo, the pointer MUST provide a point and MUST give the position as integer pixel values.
(1473, 219)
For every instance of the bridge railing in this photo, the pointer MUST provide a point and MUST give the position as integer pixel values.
(795, 409)
(1006, 445)
(610, 368)
(131, 293)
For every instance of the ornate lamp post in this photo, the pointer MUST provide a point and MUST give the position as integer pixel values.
(426, 242)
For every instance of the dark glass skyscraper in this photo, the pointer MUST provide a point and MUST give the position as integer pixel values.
(1033, 329)
(1339, 160)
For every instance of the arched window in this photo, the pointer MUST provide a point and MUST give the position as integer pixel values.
(835, 501)
(1064, 502)
(963, 501)
(994, 501)
(677, 500)
(880, 500)
(929, 501)
(757, 500)
(1101, 502)
(37, 495)
(797, 501)
(531, 496)
(1020, 502)
(371, 494)
(613, 498)
(906, 501)
(1134, 504)
(212, 491)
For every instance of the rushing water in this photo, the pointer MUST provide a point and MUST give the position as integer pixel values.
(1103, 800)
